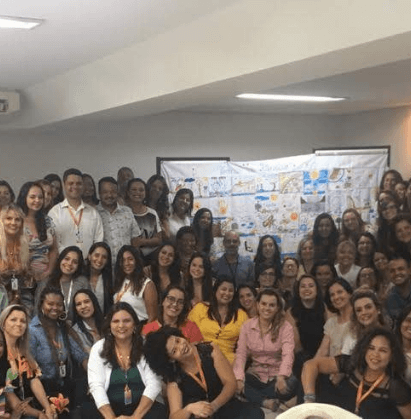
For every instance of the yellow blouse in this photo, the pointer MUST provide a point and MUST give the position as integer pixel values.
(225, 337)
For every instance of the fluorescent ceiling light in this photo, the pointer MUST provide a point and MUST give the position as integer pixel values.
(295, 98)
(10, 22)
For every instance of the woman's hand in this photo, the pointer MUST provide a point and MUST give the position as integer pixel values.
(50, 412)
(281, 385)
(240, 386)
(201, 409)
(336, 378)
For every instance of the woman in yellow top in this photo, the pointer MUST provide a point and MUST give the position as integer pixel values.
(220, 321)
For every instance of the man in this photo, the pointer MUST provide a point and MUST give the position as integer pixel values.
(399, 297)
(239, 269)
(119, 225)
(76, 222)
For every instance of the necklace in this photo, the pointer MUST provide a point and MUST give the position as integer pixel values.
(124, 366)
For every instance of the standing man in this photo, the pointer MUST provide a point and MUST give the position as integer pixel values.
(119, 225)
(231, 264)
(77, 223)
(399, 296)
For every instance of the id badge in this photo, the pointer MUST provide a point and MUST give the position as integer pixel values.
(128, 397)
(14, 283)
(62, 371)
(79, 237)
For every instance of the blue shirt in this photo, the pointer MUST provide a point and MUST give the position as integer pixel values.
(395, 303)
(241, 272)
(41, 351)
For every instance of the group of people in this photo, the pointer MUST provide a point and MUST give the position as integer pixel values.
(113, 303)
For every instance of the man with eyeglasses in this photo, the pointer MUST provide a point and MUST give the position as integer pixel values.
(240, 269)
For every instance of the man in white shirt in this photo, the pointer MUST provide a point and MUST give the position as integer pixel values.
(77, 223)
(119, 225)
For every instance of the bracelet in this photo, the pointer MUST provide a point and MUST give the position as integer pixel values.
(309, 397)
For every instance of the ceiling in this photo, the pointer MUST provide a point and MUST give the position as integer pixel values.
(66, 62)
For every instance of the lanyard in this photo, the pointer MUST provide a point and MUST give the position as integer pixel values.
(121, 293)
(201, 382)
(76, 221)
(67, 301)
(361, 397)
(233, 273)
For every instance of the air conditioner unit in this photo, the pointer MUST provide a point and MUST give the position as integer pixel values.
(9, 103)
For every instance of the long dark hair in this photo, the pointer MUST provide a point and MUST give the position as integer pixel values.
(207, 283)
(57, 273)
(98, 314)
(39, 217)
(333, 238)
(397, 176)
(205, 234)
(54, 177)
(94, 198)
(259, 258)
(137, 277)
(109, 351)
(181, 192)
(182, 318)
(162, 206)
(371, 237)
(344, 284)
(4, 183)
(361, 225)
(232, 313)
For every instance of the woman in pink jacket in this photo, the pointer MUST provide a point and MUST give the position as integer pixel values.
(268, 340)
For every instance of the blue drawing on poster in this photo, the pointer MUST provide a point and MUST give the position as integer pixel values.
(315, 182)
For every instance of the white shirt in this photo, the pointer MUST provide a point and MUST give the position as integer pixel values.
(89, 230)
(99, 376)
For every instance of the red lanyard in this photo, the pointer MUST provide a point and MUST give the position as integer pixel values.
(361, 397)
(75, 220)
(201, 382)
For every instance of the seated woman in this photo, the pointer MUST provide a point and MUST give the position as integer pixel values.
(132, 286)
(182, 206)
(305, 254)
(165, 268)
(325, 238)
(247, 297)
(87, 318)
(157, 199)
(99, 272)
(173, 312)
(345, 266)
(120, 380)
(366, 246)
(269, 341)
(55, 345)
(268, 252)
(23, 378)
(200, 381)
(220, 320)
(374, 387)
(39, 231)
(203, 229)
(199, 281)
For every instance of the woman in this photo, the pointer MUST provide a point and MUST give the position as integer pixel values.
(55, 345)
(89, 195)
(345, 266)
(14, 262)
(352, 225)
(400, 190)
(269, 341)
(182, 206)
(56, 188)
(87, 318)
(367, 314)
(98, 271)
(307, 315)
(305, 254)
(173, 312)
(268, 277)
(6, 194)
(186, 243)
(199, 279)
(268, 252)
(203, 229)
(389, 180)
(402, 234)
(220, 321)
(165, 268)
(366, 247)
(403, 333)
(39, 231)
(324, 272)
(24, 374)
(374, 387)
(120, 380)
(380, 262)
(247, 296)
(67, 276)
(325, 237)
(157, 199)
(368, 278)
(387, 211)
(146, 218)
(132, 286)
(285, 284)
(48, 198)
(200, 381)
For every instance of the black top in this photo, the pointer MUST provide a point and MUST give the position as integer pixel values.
(311, 329)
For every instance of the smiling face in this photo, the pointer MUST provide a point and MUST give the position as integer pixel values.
(122, 325)
(403, 231)
(365, 246)
(339, 297)
(380, 261)
(156, 190)
(247, 298)
(137, 192)
(325, 228)
(231, 243)
(84, 305)
(267, 307)
(389, 210)
(366, 312)
(35, 199)
(389, 182)
(5, 196)
(405, 328)
(98, 259)
(205, 220)
(173, 304)
(15, 324)
(267, 278)
(367, 277)
(378, 354)
(178, 348)
(324, 275)
(225, 293)
(307, 289)
(53, 306)
(350, 221)
(400, 190)
(108, 194)
(307, 250)
(197, 268)
(290, 268)
(73, 187)
(69, 264)
(129, 263)
(399, 272)
(268, 248)
(182, 204)
(346, 255)
(166, 256)
(12, 223)
(187, 243)
(47, 195)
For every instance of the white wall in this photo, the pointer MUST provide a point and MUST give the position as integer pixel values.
(102, 149)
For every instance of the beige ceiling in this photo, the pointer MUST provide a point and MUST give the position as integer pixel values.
(113, 60)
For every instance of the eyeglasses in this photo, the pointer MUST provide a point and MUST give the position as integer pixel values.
(267, 274)
(173, 300)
